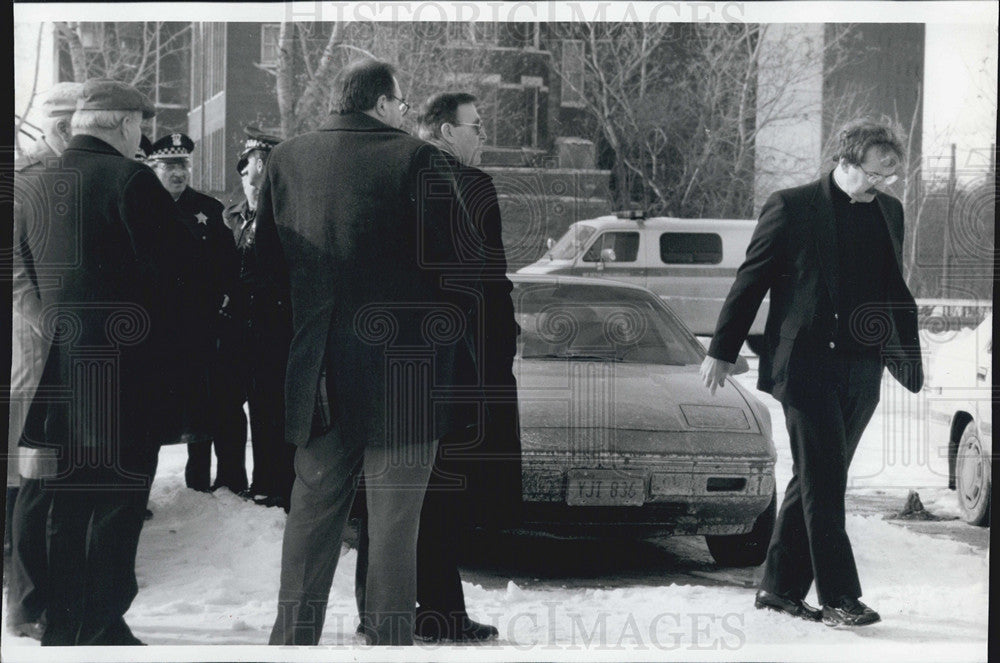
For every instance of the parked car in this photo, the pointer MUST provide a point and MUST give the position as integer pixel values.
(689, 263)
(960, 398)
(620, 436)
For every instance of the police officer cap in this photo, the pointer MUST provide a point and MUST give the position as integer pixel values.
(256, 140)
(145, 147)
(172, 146)
(61, 99)
(106, 94)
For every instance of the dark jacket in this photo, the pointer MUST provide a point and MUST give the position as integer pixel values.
(354, 221)
(210, 257)
(102, 250)
(488, 459)
(793, 254)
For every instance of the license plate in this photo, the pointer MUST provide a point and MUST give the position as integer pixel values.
(604, 488)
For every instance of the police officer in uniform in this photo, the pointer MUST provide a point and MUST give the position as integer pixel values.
(213, 265)
(265, 319)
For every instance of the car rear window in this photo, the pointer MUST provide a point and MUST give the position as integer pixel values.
(691, 248)
(594, 323)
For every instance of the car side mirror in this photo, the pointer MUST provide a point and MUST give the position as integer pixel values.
(608, 255)
(742, 366)
(549, 243)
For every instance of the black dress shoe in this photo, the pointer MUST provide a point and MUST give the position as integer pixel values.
(274, 500)
(794, 607)
(433, 626)
(848, 611)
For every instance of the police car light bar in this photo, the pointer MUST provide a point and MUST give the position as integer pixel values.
(631, 214)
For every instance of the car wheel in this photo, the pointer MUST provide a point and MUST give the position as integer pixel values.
(972, 477)
(748, 549)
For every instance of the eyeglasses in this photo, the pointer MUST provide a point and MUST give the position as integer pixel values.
(403, 106)
(878, 178)
(478, 126)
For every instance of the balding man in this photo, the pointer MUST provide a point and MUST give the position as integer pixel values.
(28, 506)
(104, 273)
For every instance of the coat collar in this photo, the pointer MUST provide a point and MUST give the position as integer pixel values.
(825, 232)
(87, 143)
(356, 122)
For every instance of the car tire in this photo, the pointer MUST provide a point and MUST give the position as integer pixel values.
(972, 477)
(748, 549)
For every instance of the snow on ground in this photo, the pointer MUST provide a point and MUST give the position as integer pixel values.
(208, 574)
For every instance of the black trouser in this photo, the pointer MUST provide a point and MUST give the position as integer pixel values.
(824, 427)
(92, 549)
(229, 426)
(273, 458)
(27, 595)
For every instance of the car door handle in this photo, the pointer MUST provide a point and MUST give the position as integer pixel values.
(981, 373)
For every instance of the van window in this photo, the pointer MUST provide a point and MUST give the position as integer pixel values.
(570, 244)
(691, 248)
(625, 244)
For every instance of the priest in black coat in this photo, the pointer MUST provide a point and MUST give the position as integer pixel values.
(830, 253)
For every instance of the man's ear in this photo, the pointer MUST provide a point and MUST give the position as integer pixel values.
(64, 128)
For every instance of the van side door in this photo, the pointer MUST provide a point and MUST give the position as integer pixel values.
(685, 271)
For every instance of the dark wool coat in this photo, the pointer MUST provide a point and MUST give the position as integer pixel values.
(793, 254)
(101, 248)
(355, 221)
(486, 461)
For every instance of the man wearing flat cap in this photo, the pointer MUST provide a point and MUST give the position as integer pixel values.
(265, 320)
(28, 506)
(210, 260)
(97, 239)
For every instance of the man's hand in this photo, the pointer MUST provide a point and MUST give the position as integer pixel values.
(714, 372)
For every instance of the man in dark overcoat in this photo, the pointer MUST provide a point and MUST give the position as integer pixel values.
(477, 472)
(212, 265)
(257, 351)
(102, 255)
(830, 253)
(355, 219)
(29, 465)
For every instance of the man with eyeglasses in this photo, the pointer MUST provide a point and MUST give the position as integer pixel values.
(355, 222)
(830, 253)
(477, 471)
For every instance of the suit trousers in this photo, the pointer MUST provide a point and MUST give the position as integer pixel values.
(439, 585)
(810, 542)
(96, 521)
(27, 595)
(273, 457)
(327, 470)
(228, 427)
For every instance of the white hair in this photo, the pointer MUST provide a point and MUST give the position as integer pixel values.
(85, 121)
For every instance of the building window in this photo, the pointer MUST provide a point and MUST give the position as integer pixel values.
(572, 73)
(690, 248)
(269, 33)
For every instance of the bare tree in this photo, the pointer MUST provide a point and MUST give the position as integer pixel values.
(682, 105)
(311, 55)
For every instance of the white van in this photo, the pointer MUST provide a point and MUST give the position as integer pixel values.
(690, 263)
